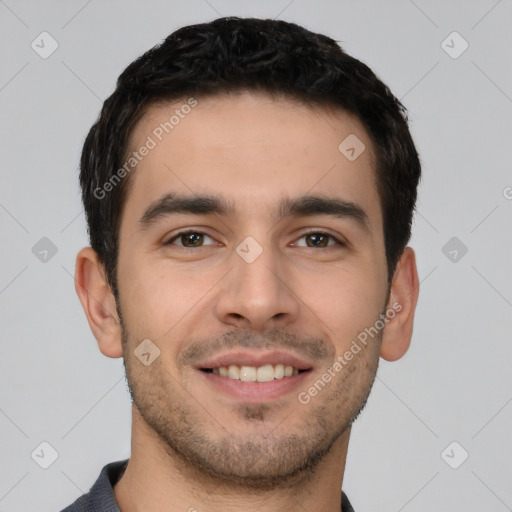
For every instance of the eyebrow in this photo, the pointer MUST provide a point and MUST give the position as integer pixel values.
(171, 204)
(306, 206)
(303, 206)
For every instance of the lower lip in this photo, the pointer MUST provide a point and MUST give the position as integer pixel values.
(256, 391)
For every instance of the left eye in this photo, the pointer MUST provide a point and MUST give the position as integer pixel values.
(318, 239)
(190, 239)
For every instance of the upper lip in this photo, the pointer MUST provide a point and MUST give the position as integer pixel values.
(245, 358)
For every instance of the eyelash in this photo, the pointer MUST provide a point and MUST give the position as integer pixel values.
(189, 232)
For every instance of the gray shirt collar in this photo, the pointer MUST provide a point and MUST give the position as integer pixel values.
(101, 497)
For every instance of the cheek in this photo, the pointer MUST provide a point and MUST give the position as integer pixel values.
(156, 298)
(346, 302)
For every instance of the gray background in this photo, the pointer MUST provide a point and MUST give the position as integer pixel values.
(455, 382)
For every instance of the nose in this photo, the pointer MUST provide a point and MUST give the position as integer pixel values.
(257, 294)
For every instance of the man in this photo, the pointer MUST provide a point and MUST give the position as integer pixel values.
(249, 190)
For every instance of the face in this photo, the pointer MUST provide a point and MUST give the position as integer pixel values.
(251, 254)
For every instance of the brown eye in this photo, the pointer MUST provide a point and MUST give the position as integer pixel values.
(190, 239)
(318, 240)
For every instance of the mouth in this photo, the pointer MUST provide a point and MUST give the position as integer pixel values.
(253, 377)
(265, 373)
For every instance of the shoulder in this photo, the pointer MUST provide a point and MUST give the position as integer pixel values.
(101, 497)
(345, 503)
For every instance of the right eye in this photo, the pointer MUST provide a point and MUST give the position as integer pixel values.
(190, 239)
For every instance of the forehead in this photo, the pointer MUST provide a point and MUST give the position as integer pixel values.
(252, 149)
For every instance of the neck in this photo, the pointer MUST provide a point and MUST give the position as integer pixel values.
(156, 479)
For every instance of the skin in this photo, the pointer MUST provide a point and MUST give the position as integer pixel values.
(194, 446)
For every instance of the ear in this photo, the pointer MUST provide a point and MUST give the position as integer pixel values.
(403, 297)
(98, 302)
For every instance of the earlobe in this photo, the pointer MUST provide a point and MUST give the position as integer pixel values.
(397, 335)
(98, 302)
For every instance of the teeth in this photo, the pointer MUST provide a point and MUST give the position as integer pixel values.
(233, 372)
(248, 374)
(265, 373)
(278, 371)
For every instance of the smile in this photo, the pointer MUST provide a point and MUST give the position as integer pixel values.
(265, 373)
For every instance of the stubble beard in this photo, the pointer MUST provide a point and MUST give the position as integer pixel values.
(263, 458)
